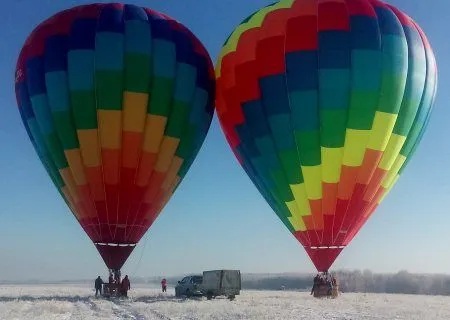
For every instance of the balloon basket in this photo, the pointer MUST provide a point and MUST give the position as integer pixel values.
(323, 291)
(111, 290)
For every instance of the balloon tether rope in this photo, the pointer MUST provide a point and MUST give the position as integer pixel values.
(142, 254)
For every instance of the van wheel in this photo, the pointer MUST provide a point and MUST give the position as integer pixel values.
(231, 297)
(209, 295)
(188, 293)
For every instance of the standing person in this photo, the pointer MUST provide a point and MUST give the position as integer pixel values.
(164, 285)
(125, 286)
(117, 276)
(111, 278)
(315, 283)
(98, 286)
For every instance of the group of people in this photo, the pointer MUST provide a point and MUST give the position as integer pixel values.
(324, 279)
(123, 285)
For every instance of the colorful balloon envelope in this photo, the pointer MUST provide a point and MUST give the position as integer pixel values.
(117, 101)
(323, 103)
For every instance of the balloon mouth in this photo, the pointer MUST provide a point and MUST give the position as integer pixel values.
(115, 254)
(115, 244)
(323, 257)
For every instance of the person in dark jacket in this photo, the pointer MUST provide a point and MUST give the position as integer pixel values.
(98, 286)
(125, 286)
(316, 282)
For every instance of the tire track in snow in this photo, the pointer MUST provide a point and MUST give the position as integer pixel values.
(123, 311)
(159, 315)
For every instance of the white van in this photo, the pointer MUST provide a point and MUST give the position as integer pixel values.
(221, 283)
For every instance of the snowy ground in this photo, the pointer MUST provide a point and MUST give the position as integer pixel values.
(78, 302)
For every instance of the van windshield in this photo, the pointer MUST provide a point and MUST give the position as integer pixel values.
(197, 280)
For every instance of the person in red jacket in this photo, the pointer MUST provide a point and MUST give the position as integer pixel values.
(125, 286)
(164, 285)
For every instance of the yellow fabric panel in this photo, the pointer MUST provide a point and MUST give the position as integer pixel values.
(300, 196)
(392, 151)
(296, 220)
(382, 127)
(355, 147)
(134, 111)
(393, 173)
(76, 166)
(331, 164)
(89, 147)
(313, 181)
(110, 126)
(66, 175)
(177, 162)
(154, 132)
(168, 147)
(394, 181)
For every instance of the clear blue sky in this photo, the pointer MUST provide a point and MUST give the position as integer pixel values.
(217, 219)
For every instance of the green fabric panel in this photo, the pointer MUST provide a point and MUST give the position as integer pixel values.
(186, 144)
(415, 88)
(308, 143)
(363, 105)
(66, 131)
(281, 128)
(391, 95)
(406, 117)
(291, 165)
(395, 72)
(161, 96)
(412, 138)
(333, 127)
(56, 151)
(177, 120)
(84, 110)
(137, 72)
(282, 186)
(43, 152)
(109, 85)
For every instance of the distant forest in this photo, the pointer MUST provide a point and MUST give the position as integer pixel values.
(349, 281)
(360, 281)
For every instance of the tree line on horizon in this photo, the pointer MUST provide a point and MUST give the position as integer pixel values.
(358, 281)
(366, 281)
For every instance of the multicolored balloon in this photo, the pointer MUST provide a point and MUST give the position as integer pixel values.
(324, 102)
(117, 101)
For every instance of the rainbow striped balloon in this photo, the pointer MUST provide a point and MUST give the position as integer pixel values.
(324, 102)
(117, 101)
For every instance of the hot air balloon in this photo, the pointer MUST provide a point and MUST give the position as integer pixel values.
(323, 103)
(117, 101)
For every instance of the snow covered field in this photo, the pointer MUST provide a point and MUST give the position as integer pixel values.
(78, 302)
